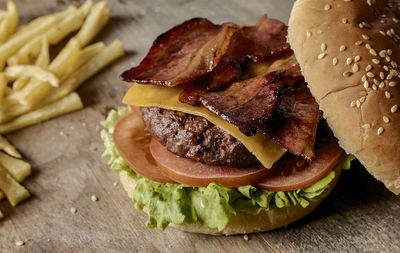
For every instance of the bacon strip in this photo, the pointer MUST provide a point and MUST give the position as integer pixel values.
(184, 53)
(278, 105)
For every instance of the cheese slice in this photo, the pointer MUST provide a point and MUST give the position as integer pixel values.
(266, 150)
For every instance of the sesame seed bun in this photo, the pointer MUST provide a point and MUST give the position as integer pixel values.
(348, 51)
(243, 223)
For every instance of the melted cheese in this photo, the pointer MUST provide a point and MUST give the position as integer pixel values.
(265, 149)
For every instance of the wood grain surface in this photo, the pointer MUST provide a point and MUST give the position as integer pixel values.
(359, 216)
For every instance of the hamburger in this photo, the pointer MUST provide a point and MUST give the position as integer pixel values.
(230, 129)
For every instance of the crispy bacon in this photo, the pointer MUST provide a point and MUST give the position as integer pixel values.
(278, 105)
(184, 53)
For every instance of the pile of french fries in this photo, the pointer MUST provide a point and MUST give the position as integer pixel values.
(34, 86)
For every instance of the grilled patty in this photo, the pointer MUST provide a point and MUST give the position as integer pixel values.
(195, 137)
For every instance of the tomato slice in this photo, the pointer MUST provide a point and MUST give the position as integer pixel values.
(292, 173)
(132, 142)
(194, 173)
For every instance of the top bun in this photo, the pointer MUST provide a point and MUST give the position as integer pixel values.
(348, 52)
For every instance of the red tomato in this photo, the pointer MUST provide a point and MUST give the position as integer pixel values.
(132, 142)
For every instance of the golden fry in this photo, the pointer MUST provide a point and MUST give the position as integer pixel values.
(16, 42)
(8, 148)
(89, 52)
(70, 103)
(43, 59)
(14, 192)
(3, 86)
(10, 22)
(17, 71)
(17, 168)
(96, 20)
(20, 83)
(105, 57)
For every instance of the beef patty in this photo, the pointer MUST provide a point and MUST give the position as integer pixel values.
(195, 137)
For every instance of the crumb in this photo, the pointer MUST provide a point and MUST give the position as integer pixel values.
(246, 237)
(74, 210)
(19, 243)
(94, 198)
(83, 124)
(115, 183)
(48, 239)
(93, 148)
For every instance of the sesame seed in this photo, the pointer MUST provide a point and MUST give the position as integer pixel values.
(389, 51)
(395, 20)
(392, 84)
(19, 243)
(389, 76)
(352, 104)
(362, 99)
(386, 119)
(380, 131)
(344, 20)
(361, 25)
(376, 81)
(368, 68)
(327, 7)
(393, 109)
(369, 2)
(94, 198)
(349, 61)
(363, 78)
(356, 68)
(373, 52)
(246, 237)
(370, 74)
(358, 43)
(383, 33)
(388, 33)
(363, 93)
(394, 72)
(394, 64)
(387, 58)
(366, 85)
(366, 126)
(347, 73)
(365, 37)
(376, 61)
(358, 103)
(385, 68)
(382, 75)
(342, 48)
(357, 58)
(392, 31)
(334, 61)
(374, 87)
(382, 53)
(387, 94)
(73, 210)
(323, 46)
(368, 46)
(321, 56)
(382, 85)
(308, 34)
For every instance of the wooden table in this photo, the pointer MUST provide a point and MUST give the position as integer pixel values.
(360, 215)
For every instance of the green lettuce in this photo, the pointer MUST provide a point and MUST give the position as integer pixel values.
(211, 206)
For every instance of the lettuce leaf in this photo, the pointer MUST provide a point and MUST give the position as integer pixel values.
(211, 206)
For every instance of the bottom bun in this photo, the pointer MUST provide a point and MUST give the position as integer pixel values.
(243, 223)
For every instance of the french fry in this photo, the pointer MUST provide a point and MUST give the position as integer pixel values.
(70, 23)
(17, 168)
(14, 192)
(43, 59)
(10, 22)
(85, 8)
(20, 83)
(17, 71)
(8, 148)
(63, 65)
(89, 52)
(105, 57)
(16, 42)
(95, 21)
(68, 104)
(3, 86)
